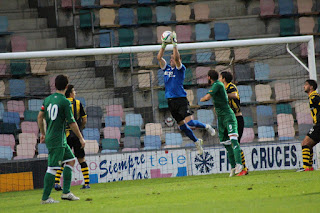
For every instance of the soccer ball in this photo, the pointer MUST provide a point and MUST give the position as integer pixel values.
(169, 121)
(166, 37)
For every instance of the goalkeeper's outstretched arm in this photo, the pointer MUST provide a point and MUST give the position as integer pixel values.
(176, 54)
(160, 58)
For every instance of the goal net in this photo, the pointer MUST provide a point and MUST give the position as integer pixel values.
(130, 133)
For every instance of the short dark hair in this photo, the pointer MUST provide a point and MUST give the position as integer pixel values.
(69, 90)
(214, 75)
(312, 83)
(61, 82)
(227, 75)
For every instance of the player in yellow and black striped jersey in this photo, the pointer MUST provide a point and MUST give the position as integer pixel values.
(81, 119)
(234, 102)
(313, 136)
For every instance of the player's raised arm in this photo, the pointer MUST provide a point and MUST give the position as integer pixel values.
(176, 54)
(160, 58)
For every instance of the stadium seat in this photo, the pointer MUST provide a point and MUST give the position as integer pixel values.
(304, 118)
(25, 150)
(203, 32)
(153, 129)
(264, 115)
(267, 7)
(1, 110)
(39, 87)
(17, 88)
(152, 142)
(266, 133)
(12, 117)
(304, 50)
(113, 121)
(302, 107)
(7, 140)
(221, 31)
(222, 55)
(201, 92)
(263, 92)
(188, 80)
(284, 109)
(201, 11)
(163, 1)
(286, 7)
(134, 120)
(67, 4)
(16, 106)
(18, 67)
(124, 59)
(127, 2)
(38, 65)
(35, 104)
(94, 111)
(91, 134)
(163, 102)
(85, 18)
(144, 15)
(306, 25)
(186, 56)
(287, 27)
(261, 71)
(93, 122)
(29, 127)
(285, 120)
(42, 148)
(3, 25)
(248, 121)
(245, 92)
(203, 56)
(3, 45)
(107, 17)
(92, 147)
(282, 91)
(145, 1)
(126, 16)
(174, 139)
(303, 130)
(112, 132)
(247, 136)
(145, 59)
(184, 33)
(106, 2)
(132, 131)
(28, 138)
(160, 77)
(89, 4)
(164, 15)
(304, 6)
(114, 110)
(205, 116)
(161, 29)
(3, 67)
(126, 38)
(18, 43)
(145, 36)
(182, 12)
(110, 144)
(30, 115)
(202, 75)
(242, 72)
(6, 152)
(241, 54)
(8, 128)
(286, 133)
(131, 142)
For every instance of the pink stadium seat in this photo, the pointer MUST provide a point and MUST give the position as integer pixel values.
(161, 29)
(201, 75)
(222, 55)
(306, 25)
(114, 110)
(42, 155)
(112, 132)
(66, 3)
(201, 11)
(26, 150)
(29, 127)
(285, 120)
(286, 131)
(221, 68)
(153, 129)
(91, 147)
(16, 106)
(302, 107)
(304, 49)
(18, 44)
(183, 13)
(144, 78)
(38, 65)
(263, 92)
(304, 118)
(7, 140)
(3, 67)
(304, 6)
(184, 33)
(282, 91)
(130, 149)
(248, 135)
(267, 7)
(241, 53)
(145, 59)
(27, 138)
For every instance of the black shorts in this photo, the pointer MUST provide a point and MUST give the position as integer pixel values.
(179, 108)
(74, 142)
(314, 133)
(240, 126)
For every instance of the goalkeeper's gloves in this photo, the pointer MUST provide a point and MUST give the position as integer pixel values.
(163, 45)
(174, 39)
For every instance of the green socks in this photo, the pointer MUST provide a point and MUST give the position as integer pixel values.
(48, 185)
(236, 150)
(67, 174)
(230, 155)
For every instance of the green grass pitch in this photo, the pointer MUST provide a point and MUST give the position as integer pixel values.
(267, 191)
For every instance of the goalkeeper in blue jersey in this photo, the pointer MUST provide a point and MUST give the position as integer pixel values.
(227, 122)
(178, 103)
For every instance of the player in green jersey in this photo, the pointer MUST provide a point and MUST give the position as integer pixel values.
(227, 122)
(57, 111)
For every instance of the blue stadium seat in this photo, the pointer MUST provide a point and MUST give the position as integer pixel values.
(104, 38)
(152, 142)
(12, 117)
(35, 104)
(245, 93)
(160, 77)
(126, 16)
(261, 71)
(94, 111)
(6, 152)
(42, 148)
(89, 4)
(242, 72)
(285, 7)
(303, 130)
(163, 14)
(174, 139)
(264, 116)
(39, 87)
(110, 144)
(203, 56)
(203, 32)
(4, 25)
(205, 116)
(134, 120)
(1, 110)
(91, 134)
(200, 93)
(266, 132)
(113, 121)
(221, 31)
(93, 122)
(17, 88)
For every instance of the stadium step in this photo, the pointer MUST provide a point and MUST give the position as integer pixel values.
(27, 24)
(95, 94)
(76, 73)
(47, 44)
(66, 63)
(19, 14)
(37, 34)
(14, 4)
(88, 83)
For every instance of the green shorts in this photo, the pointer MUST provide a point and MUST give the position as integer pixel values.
(58, 156)
(227, 125)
